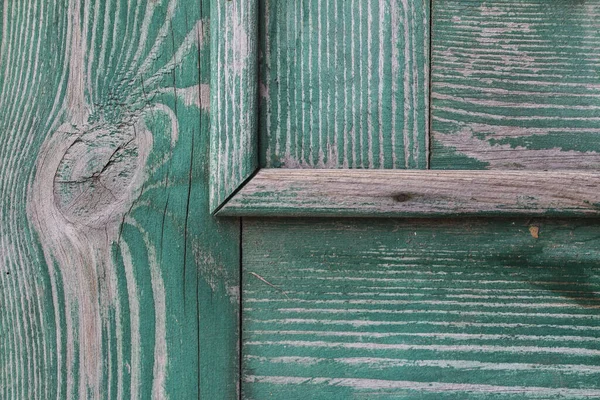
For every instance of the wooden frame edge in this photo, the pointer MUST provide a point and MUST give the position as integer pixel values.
(416, 193)
(233, 97)
(239, 188)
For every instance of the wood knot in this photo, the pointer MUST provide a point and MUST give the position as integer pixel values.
(94, 178)
(402, 197)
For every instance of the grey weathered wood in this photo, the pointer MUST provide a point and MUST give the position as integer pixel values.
(275, 192)
(234, 137)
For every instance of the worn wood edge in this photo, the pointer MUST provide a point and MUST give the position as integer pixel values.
(233, 98)
(416, 193)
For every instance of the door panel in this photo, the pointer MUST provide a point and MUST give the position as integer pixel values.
(344, 84)
(515, 84)
(428, 309)
(420, 309)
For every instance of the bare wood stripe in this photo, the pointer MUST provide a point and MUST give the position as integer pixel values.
(502, 338)
(355, 323)
(409, 193)
(415, 386)
(469, 365)
(429, 311)
(450, 296)
(402, 347)
(465, 304)
(592, 300)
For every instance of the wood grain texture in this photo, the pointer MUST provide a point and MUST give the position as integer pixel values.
(234, 135)
(349, 193)
(344, 84)
(454, 309)
(516, 84)
(114, 277)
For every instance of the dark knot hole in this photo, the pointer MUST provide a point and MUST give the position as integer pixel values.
(402, 197)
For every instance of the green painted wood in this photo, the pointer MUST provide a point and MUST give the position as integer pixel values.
(115, 283)
(344, 84)
(234, 135)
(388, 309)
(515, 84)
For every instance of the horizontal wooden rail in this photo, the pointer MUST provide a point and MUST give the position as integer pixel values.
(402, 193)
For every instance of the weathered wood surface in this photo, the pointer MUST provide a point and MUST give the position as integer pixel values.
(454, 309)
(283, 192)
(515, 84)
(344, 84)
(115, 281)
(234, 80)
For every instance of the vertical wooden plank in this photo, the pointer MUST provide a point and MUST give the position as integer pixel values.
(234, 141)
(344, 84)
(515, 84)
(215, 248)
(32, 337)
(116, 282)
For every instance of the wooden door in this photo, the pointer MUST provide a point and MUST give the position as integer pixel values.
(126, 125)
(496, 300)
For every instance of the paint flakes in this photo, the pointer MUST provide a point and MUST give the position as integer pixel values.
(535, 231)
